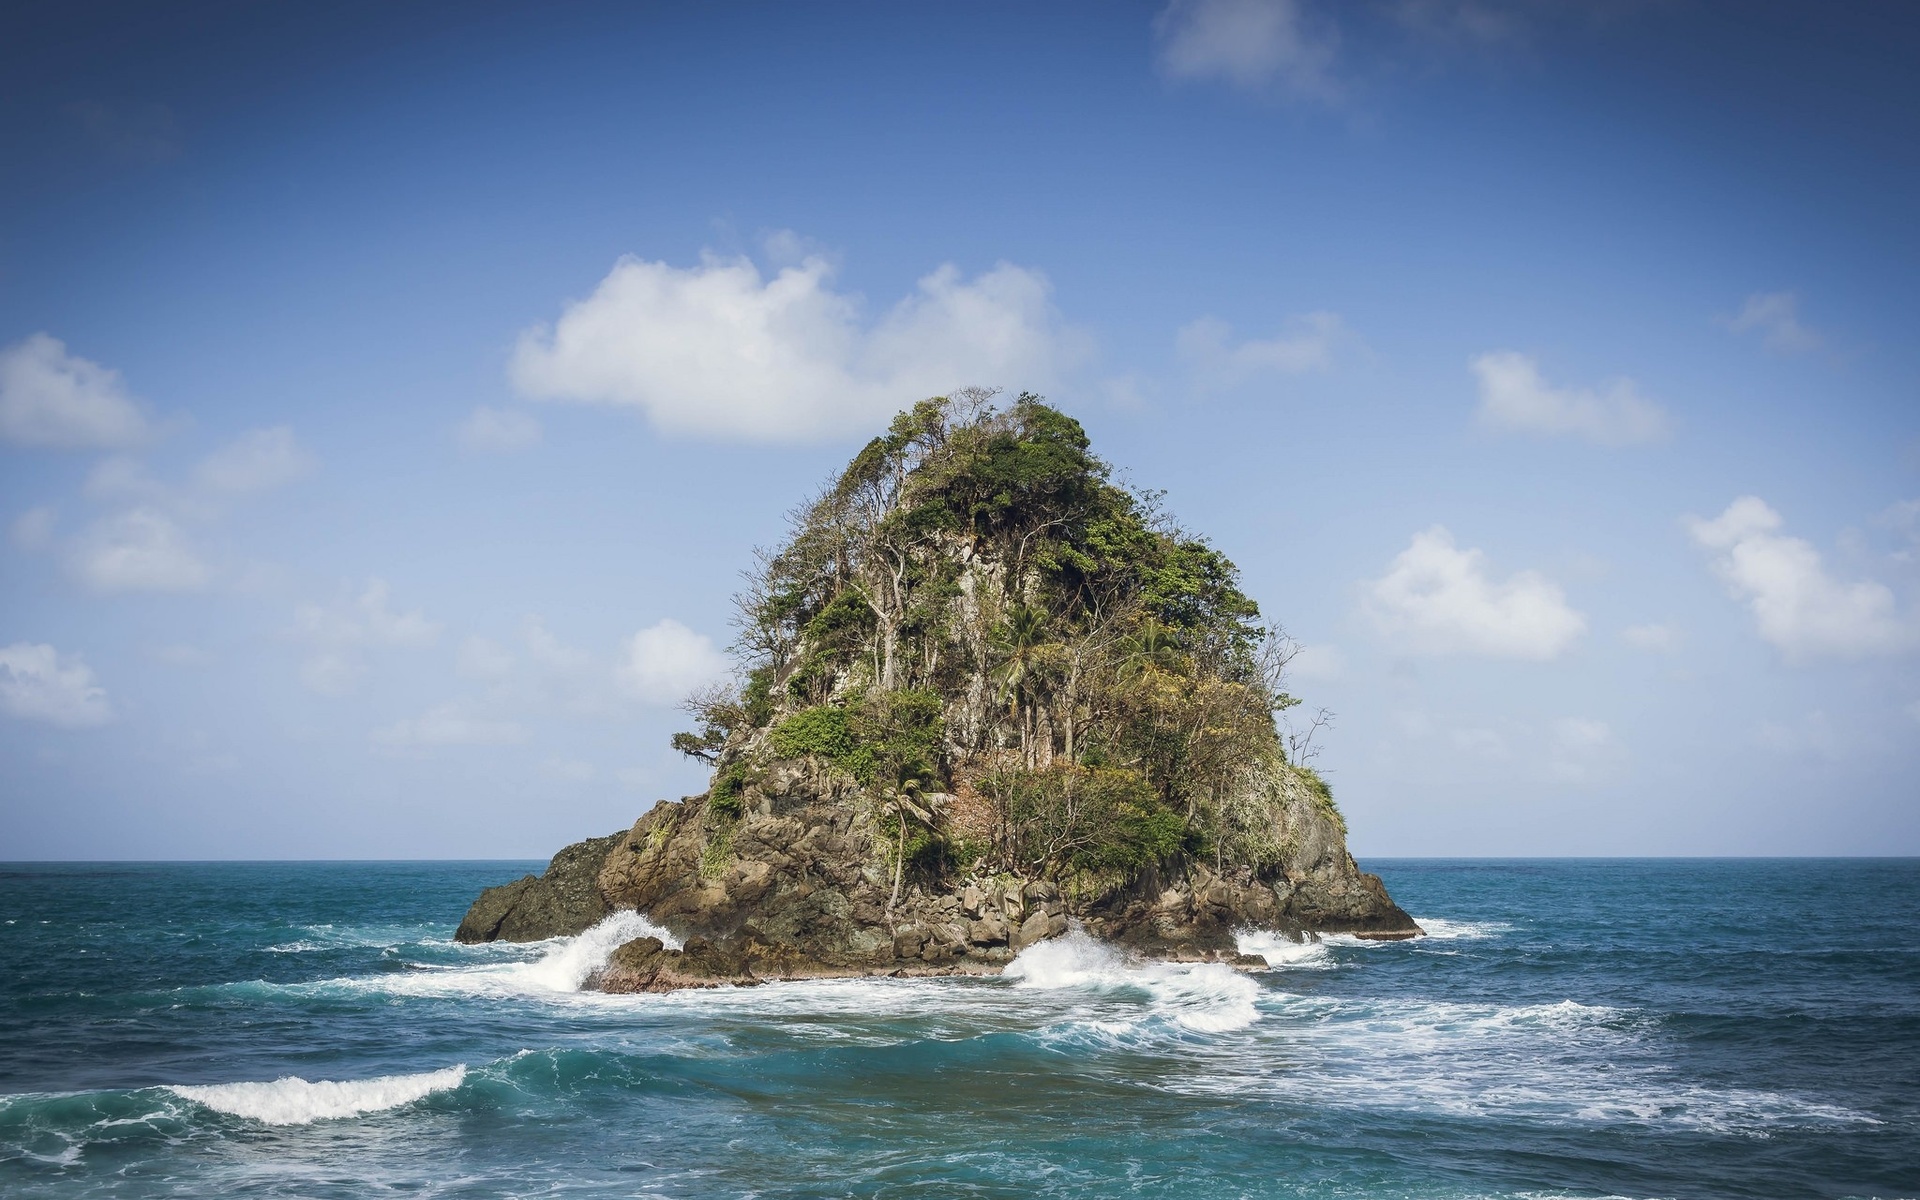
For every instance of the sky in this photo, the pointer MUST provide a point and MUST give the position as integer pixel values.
(390, 395)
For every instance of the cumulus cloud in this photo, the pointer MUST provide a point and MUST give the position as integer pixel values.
(666, 661)
(1516, 398)
(1438, 599)
(1250, 44)
(257, 461)
(33, 529)
(1775, 317)
(719, 350)
(1208, 348)
(455, 723)
(51, 398)
(340, 635)
(37, 683)
(140, 550)
(498, 430)
(1655, 639)
(1797, 606)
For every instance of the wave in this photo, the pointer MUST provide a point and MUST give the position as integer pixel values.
(1205, 997)
(1440, 929)
(1281, 951)
(291, 1100)
(549, 970)
(1556, 1063)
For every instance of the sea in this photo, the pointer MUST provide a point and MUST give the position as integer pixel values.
(1568, 1028)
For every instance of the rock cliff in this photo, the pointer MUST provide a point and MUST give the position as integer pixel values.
(986, 695)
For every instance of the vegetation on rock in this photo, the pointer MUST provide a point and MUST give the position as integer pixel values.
(1016, 664)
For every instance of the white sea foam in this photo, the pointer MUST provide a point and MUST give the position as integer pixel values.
(555, 970)
(1206, 997)
(1558, 1063)
(1440, 929)
(291, 1100)
(1282, 951)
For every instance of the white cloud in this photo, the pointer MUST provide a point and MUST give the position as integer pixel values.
(1438, 599)
(54, 399)
(1797, 606)
(454, 723)
(340, 635)
(1307, 345)
(1775, 316)
(1249, 44)
(665, 662)
(498, 430)
(33, 529)
(257, 461)
(140, 550)
(720, 351)
(37, 684)
(1655, 639)
(1515, 398)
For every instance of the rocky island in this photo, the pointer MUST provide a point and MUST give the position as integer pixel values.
(986, 694)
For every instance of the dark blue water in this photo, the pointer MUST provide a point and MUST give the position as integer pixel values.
(1623, 1028)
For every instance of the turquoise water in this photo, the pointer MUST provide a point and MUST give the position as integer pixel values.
(1632, 1028)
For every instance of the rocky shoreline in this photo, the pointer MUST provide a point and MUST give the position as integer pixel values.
(802, 893)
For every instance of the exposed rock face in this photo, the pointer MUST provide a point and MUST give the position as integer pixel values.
(563, 901)
(798, 887)
(986, 693)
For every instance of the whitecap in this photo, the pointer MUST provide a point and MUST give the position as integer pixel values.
(291, 1100)
(1282, 951)
(1204, 997)
(1440, 929)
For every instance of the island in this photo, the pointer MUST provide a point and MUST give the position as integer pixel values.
(987, 695)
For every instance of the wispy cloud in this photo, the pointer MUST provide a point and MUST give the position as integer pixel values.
(1250, 44)
(1775, 316)
(1516, 398)
(498, 430)
(340, 635)
(1307, 344)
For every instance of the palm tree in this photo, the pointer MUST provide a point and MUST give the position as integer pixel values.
(1153, 646)
(1019, 642)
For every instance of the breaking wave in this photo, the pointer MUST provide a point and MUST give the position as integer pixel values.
(1205, 997)
(291, 1100)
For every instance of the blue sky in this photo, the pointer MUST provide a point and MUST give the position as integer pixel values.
(389, 397)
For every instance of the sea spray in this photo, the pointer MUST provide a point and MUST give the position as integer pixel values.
(1282, 951)
(1204, 997)
(570, 961)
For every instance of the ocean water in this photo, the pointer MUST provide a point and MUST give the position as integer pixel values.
(1572, 1028)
